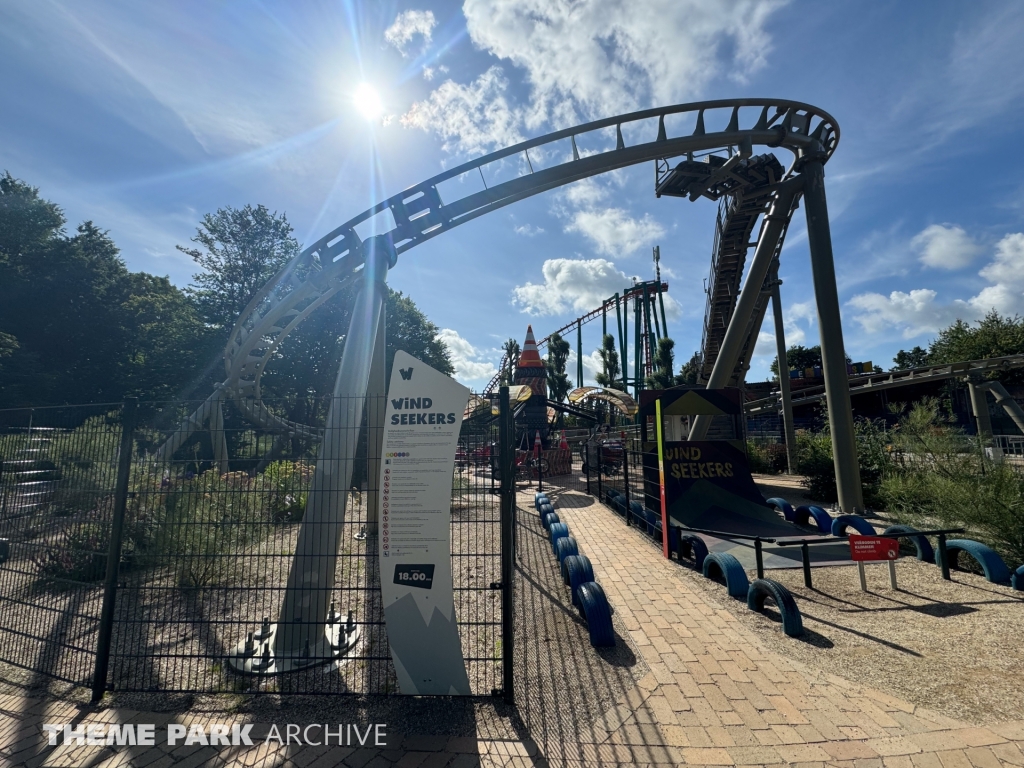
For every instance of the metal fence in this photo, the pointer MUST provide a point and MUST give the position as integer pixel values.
(205, 550)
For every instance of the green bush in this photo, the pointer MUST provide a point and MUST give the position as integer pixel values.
(815, 461)
(80, 555)
(766, 458)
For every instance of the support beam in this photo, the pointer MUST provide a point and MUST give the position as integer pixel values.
(376, 406)
(833, 352)
(579, 354)
(788, 432)
(303, 617)
(217, 436)
(735, 334)
(979, 405)
(1009, 405)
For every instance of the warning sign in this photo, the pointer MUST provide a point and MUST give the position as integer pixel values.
(872, 548)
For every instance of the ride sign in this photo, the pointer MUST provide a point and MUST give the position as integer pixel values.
(421, 434)
(873, 548)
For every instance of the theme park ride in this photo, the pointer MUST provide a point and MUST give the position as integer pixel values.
(704, 149)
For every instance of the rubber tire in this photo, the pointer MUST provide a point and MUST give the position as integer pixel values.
(557, 531)
(736, 583)
(545, 509)
(619, 505)
(762, 589)
(783, 506)
(925, 553)
(564, 547)
(688, 543)
(822, 519)
(653, 520)
(858, 523)
(595, 609)
(564, 568)
(1017, 580)
(549, 519)
(580, 571)
(989, 560)
(540, 498)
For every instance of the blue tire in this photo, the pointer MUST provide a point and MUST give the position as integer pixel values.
(579, 571)
(783, 506)
(858, 523)
(692, 546)
(989, 560)
(609, 495)
(726, 567)
(545, 509)
(1017, 579)
(618, 503)
(564, 547)
(540, 498)
(557, 531)
(595, 609)
(925, 553)
(802, 516)
(549, 519)
(763, 589)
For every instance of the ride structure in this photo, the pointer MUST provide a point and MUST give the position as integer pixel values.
(698, 133)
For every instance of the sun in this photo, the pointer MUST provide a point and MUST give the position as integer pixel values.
(367, 101)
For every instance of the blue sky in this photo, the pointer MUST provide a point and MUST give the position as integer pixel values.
(144, 116)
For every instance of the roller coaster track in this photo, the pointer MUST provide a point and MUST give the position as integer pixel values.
(877, 382)
(536, 165)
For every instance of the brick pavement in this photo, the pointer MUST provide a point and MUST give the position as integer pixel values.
(714, 696)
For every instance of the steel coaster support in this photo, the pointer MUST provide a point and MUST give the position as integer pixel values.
(788, 431)
(579, 354)
(622, 318)
(833, 353)
(732, 345)
(1013, 410)
(217, 434)
(376, 406)
(638, 380)
(309, 631)
(979, 404)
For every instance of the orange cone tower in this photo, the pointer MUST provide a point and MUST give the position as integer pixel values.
(531, 372)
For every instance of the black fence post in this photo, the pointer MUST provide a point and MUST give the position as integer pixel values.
(943, 557)
(129, 412)
(759, 556)
(586, 463)
(805, 555)
(508, 504)
(625, 481)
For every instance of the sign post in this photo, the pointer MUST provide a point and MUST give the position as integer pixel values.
(421, 431)
(873, 549)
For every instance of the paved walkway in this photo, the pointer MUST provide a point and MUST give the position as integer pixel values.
(714, 696)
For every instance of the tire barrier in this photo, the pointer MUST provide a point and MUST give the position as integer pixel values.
(692, 546)
(989, 560)
(595, 610)
(557, 531)
(540, 498)
(619, 505)
(763, 589)
(565, 547)
(925, 553)
(858, 523)
(803, 514)
(782, 506)
(1017, 579)
(653, 520)
(578, 570)
(545, 509)
(636, 511)
(549, 519)
(729, 569)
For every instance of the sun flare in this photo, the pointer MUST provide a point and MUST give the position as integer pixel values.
(367, 101)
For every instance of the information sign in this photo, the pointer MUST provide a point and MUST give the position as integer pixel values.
(421, 434)
(872, 548)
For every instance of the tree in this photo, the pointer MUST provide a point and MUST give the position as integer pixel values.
(915, 358)
(511, 347)
(690, 371)
(609, 376)
(241, 249)
(994, 335)
(558, 355)
(664, 362)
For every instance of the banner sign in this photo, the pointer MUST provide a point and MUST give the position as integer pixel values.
(421, 434)
(872, 548)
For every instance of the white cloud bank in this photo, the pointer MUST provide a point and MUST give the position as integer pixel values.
(945, 246)
(917, 312)
(407, 25)
(469, 368)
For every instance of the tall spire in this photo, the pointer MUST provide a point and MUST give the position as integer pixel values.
(530, 357)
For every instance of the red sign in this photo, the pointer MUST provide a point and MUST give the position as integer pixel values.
(863, 548)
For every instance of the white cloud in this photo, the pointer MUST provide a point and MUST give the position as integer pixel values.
(614, 232)
(604, 57)
(917, 312)
(529, 230)
(465, 358)
(471, 119)
(407, 25)
(1008, 266)
(945, 246)
(579, 284)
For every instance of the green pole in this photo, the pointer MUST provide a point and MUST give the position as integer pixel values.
(647, 322)
(637, 331)
(618, 326)
(661, 303)
(579, 354)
